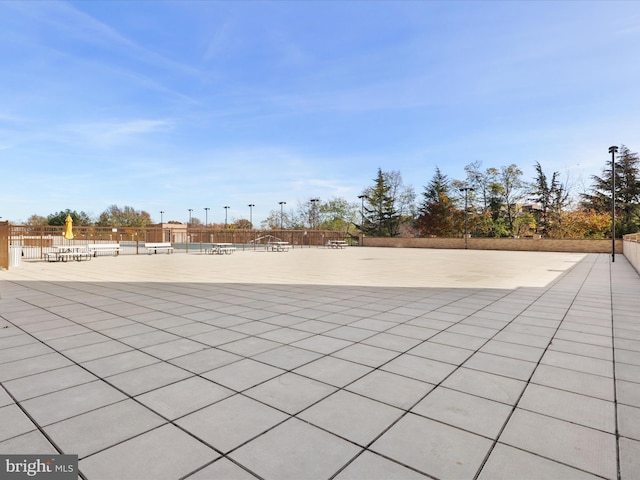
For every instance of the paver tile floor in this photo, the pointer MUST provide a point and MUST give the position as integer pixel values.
(318, 363)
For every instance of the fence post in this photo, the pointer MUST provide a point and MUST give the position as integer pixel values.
(4, 245)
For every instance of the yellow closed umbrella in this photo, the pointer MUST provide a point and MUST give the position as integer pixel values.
(68, 229)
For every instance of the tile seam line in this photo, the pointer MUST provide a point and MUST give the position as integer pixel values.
(38, 427)
(407, 411)
(119, 340)
(102, 332)
(108, 382)
(128, 396)
(528, 382)
(172, 422)
(169, 421)
(615, 384)
(366, 448)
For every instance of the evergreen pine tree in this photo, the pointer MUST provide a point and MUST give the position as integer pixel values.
(437, 213)
(627, 192)
(381, 219)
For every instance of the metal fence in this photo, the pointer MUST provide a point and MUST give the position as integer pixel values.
(35, 241)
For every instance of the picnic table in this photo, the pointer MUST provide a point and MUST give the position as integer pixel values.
(65, 253)
(337, 244)
(221, 249)
(278, 246)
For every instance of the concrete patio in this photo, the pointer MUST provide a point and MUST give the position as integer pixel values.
(318, 363)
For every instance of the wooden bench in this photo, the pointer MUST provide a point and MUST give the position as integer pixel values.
(154, 247)
(336, 244)
(104, 247)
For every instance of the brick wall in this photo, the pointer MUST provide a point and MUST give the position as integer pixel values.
(516, 244)
(632, 250)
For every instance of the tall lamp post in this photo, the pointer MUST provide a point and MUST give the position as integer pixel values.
(282, 204)
(161, 213)
(466, 191)
(613, 150)
(251, 205)
(226, 209)
(206, 217)
(190, 210)
(362, 197)
(314, 212)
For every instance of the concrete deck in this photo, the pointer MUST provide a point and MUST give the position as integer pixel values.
(318, 363)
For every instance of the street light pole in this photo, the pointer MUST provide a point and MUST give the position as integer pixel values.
(466, 191)
(314, 203)
(613, 150)
(226, 209)
(161, 213)
(206, 217)
(190, 210)
(251, 205)
(362, 197)
(282, 214)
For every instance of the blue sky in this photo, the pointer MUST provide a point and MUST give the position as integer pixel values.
(177, 105)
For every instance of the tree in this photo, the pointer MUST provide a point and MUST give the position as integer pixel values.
(552, 197)
(380, 215)
(627, 192)
(404, 198)
(582, 223)
(337, 214)
(524, 224)
(512, 191)
(242, 224)
(304, 216)
(386, 205)
(115, 216)
(488, 222)
(59, 218)
(36, 220)
(276, 220)
(334, 214)
(438, 214)
(480, 180)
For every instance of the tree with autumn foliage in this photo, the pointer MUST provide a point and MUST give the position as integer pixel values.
(242, 224)
(36, 220)
(115, 216)
(585, 223)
